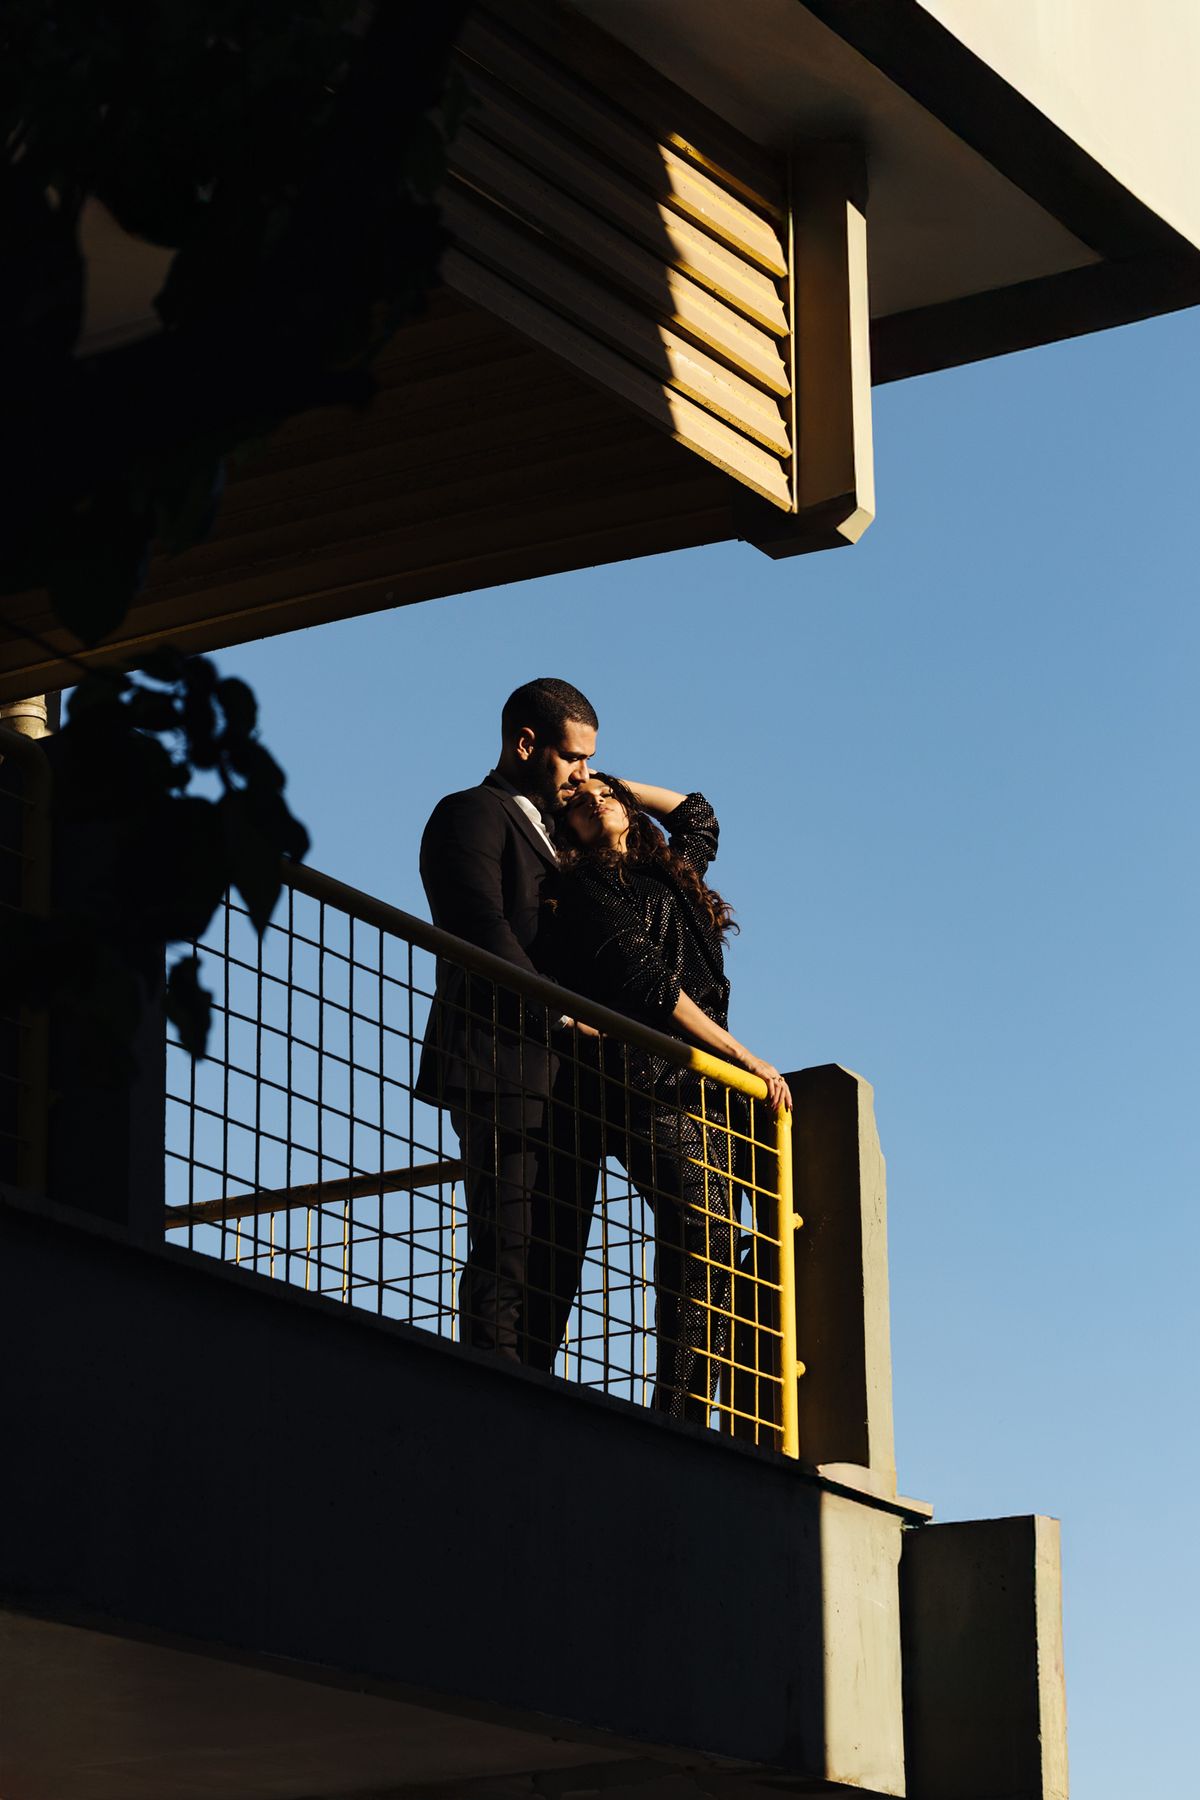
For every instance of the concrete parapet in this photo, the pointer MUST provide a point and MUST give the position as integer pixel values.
(314, 1493)
(842, 1276)
(481, 1578)
(984, 1696)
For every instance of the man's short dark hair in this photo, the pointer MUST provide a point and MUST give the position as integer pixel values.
(547, 706)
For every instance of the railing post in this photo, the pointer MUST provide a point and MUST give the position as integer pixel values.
(789, 1221)
(845, 1400)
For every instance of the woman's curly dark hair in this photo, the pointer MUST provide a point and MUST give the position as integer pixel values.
(647, 844)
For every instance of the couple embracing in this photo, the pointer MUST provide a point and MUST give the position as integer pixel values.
(598, 884)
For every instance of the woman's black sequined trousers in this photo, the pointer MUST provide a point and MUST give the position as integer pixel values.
(682, 1167)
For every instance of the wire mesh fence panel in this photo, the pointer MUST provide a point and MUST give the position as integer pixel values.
(410, 1134)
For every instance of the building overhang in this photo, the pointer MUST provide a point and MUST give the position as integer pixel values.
(1010, 151)
(1013, 199)
(687, 239)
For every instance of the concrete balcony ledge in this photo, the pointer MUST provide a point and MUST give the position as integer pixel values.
(213, 1468)
(263, 1546)
(848, 1479)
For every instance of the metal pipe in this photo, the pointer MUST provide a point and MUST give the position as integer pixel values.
(314, 1193)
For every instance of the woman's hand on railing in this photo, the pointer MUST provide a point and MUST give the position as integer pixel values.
(714, 1037)
(779, 1095)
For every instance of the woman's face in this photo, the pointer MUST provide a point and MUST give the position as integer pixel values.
(594, 815)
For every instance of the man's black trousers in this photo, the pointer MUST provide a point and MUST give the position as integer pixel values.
(532, 1167)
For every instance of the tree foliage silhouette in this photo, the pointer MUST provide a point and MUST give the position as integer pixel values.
(289, 155)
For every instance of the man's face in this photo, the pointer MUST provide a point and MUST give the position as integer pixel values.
(555, 770)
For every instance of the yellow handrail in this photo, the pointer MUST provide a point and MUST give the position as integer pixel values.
(790, 1221)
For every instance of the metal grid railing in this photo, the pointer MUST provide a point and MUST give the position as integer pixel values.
(611, 1208)
(24, 888)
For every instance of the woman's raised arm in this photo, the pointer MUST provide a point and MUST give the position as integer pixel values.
(657, 800)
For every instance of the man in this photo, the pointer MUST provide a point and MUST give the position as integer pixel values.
(509, 1074)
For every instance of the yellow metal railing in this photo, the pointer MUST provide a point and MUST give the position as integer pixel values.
(24, 888)
(302, 1148)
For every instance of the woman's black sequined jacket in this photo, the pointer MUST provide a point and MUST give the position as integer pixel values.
(632, 943)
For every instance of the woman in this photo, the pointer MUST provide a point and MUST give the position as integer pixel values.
(636, 928)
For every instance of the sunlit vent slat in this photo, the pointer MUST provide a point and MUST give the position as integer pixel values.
(729, 450)
(502, 115)
(612, 239)
(665, 292)
(661, 351)
(553, 57)
(516, 183)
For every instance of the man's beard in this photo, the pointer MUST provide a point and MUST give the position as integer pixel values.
(545, 795)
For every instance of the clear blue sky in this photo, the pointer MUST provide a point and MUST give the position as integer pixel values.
(956, 772)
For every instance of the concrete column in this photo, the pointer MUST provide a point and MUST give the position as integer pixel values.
(985, 1714)
(24, 888)
(68, 1126)
(860, 1637)
(107, 1131)
(844, 1335)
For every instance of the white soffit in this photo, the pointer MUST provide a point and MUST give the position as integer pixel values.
(1121, 79)
(943, 222)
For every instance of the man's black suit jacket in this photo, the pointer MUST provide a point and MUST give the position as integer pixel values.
(483, 864)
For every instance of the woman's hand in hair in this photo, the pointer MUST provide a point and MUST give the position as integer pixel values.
(660, 802)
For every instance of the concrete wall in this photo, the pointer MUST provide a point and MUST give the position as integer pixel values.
(230, 1462)
(842, 1307)
(523, 1574)
(984, 1696)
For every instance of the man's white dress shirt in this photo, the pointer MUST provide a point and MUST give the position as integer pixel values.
(530, 809)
